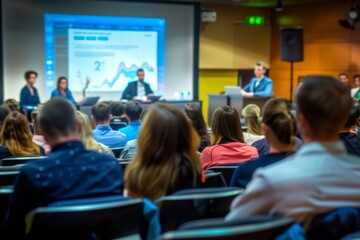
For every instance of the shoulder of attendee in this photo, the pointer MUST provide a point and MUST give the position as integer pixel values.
(267, 79)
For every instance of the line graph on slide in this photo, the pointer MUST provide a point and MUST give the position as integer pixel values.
(128, 72)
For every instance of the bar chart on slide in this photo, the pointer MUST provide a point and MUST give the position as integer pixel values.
(110, 59)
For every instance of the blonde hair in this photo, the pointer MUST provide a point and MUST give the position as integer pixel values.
(251, 113)
(16, 136)
(276, 114)
(86, 135)
(12, 104)
(166, 143)
(225, 123)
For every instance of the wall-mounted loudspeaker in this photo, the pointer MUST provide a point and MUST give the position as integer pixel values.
(292, 44)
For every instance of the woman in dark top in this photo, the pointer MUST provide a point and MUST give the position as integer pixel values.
(29, 94)
(62, 90)
(193, 112)
(348, 134)
(279, 128)
(16, 138)
(166, 160)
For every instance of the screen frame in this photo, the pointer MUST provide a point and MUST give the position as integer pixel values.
(197, 23)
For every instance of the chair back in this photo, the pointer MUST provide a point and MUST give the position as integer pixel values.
(192, 204)
(117, 151)
(116, 125)
(352, 236)
(5, 193)
(214, 180)
(12, 161)
(244, 229)
(7, 178)
(124, 163)
(119, 217)
(335, 224)
(226, 170)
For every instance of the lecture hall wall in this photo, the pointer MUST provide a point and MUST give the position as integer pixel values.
(226, 46)
(328, 47)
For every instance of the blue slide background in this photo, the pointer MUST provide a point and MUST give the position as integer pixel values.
(56, 28)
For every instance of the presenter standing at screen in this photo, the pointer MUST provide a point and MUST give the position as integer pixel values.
(137, 90)
(29, 94)
(260, 85)
(62, 90)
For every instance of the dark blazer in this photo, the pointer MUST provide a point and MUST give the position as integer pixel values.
(26, 99)
(131, 90)
(352, 142)
(243, 173)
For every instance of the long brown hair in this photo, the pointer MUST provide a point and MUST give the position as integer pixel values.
(225, 123)
(276, 114)
(16, 136)
(193, 112)
(166, 141)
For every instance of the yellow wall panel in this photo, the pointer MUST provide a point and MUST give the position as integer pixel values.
(213, 81)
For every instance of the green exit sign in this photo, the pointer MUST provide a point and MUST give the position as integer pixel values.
(255, 20)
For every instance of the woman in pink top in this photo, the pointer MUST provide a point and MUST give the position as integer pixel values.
(227, 140)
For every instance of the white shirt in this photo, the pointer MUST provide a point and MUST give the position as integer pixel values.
(257, 82)
(319, 178)
(141, 90)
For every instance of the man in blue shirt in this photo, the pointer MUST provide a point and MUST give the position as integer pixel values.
(29, 94)
(103, 133)
(321, 176)
(69, 172)
(260, 85)
(133, 112)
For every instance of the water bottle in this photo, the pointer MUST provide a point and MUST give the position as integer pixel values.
(182, 96)
(189, 96)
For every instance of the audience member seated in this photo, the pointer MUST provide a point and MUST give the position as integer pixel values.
(251, 113)
(227, 140)
(117, 110)
(29, 95)
(133, 112)
(167, 160)
(87, 138)
(355, 92)
(12, 104)
(279, 127)
(16, 138)
(103, 132)
(344, 78)
(193, 112)
(130, 148)
(69, 172)
(38, 138)
(62, 90)
(321, 176)
(4, 111)
(348, 134)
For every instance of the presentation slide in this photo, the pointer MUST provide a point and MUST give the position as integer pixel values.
(106, 51)
(104, 42)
